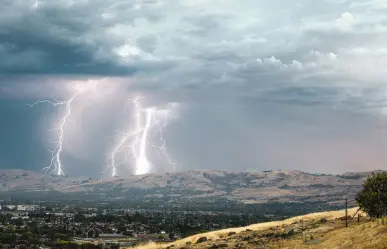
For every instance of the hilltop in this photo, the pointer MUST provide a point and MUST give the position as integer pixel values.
(316, 230)
(241, 187)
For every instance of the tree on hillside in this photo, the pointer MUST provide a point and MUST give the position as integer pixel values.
(372, 199)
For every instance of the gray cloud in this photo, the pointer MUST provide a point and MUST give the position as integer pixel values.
(182, 37)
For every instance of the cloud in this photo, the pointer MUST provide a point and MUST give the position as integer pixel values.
(345, 20)
(175, 40)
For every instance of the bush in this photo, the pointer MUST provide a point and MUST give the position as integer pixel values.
(372, 199)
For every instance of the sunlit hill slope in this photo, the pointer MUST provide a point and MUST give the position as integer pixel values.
(317, 230)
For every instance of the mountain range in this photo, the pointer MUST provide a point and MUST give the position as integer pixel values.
(242, 187)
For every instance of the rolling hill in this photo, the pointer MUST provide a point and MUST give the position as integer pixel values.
(316, 230)
(243, 187)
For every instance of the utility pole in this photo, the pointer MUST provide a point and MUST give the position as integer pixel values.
(346, 212)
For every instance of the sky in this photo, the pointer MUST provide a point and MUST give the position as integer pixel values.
(254, 84)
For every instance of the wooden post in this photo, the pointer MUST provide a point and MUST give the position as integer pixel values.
(346, 212)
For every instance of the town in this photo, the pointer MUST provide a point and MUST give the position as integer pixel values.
(54, 225)
(49, 224)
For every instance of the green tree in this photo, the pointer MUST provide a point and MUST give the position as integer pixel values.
(372, 199)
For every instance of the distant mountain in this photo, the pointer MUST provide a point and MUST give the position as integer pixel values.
(245, 187)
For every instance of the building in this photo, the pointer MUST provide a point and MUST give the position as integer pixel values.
(89, 240)
(11, 207)
(27, 207)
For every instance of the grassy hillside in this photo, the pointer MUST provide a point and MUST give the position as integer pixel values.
(317, 230)
(200, 185)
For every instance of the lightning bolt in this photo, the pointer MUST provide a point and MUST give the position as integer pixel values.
(142, 164)
(163, 147)
(56, 166)
(135, 141)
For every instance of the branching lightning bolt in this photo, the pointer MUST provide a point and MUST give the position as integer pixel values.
(137, 138)
(56, 166)
(163, 147)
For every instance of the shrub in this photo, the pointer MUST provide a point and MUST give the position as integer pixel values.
(372, 199)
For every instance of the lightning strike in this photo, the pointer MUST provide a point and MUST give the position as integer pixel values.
(163, 147)
(56, 166)
(136, 141)
(143, 165)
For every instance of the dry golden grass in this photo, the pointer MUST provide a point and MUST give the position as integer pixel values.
(150, 245)
(331, 234)
(370, 235)
(265, 226)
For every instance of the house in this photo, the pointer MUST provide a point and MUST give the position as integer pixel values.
(89, 240)
(11, 207)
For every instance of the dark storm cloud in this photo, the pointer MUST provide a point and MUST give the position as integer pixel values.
(61, 38)
(181, 38)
